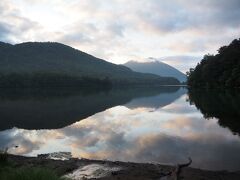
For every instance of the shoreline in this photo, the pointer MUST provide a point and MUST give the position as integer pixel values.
(101, 169)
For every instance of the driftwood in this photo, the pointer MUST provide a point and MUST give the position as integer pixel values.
(175, 173)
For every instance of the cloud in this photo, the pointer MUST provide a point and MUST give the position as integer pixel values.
(4, 32)
(167, 149)
(121, 30)
(14, 27)
(184, 63)
(13, 137)
(173, 16)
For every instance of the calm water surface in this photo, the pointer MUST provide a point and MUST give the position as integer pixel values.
(164, 125)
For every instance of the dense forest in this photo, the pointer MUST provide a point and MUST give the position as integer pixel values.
(38, 64)
(220, 70)
(15, 80)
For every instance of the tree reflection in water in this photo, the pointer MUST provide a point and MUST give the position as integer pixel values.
(221, 104)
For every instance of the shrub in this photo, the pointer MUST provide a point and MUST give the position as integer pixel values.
(28, 173)
(3, 155)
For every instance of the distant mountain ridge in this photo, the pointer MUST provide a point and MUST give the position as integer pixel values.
(51, 59)
(156, 67)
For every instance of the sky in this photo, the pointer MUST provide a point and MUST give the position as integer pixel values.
(178, 32)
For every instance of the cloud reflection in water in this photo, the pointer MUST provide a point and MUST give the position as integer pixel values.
(167, 134)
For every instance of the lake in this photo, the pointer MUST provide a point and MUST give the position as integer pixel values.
(158, 125)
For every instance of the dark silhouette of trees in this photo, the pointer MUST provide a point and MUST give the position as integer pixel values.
(16, 80)
(220, 70)
(221, 104)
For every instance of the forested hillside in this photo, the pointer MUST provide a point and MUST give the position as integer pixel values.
(220, 70)
(54, 64)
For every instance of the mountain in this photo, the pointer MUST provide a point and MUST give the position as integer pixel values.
(156, 67)
(220, 70)
(50, 63)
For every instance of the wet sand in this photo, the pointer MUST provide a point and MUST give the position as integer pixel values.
(105, 170)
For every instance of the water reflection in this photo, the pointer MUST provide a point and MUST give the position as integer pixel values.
(57, 108)
(151, 132)
(221, 104)
(160, 100)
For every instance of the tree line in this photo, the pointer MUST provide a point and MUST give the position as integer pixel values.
(16, 80)
(220, 70)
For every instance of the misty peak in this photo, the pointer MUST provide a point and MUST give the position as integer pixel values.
(154, 66)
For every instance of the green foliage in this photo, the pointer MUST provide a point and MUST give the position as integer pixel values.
(27, 173)
(11, 171)
(220, 70)
(3, 156)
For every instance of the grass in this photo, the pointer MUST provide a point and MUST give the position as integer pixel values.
(9, 172)
(3, 156)
(27, 173)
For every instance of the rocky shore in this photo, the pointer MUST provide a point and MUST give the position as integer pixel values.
(105, 170)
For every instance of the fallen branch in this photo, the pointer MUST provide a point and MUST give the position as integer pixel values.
(175, 173)
(179, 167)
